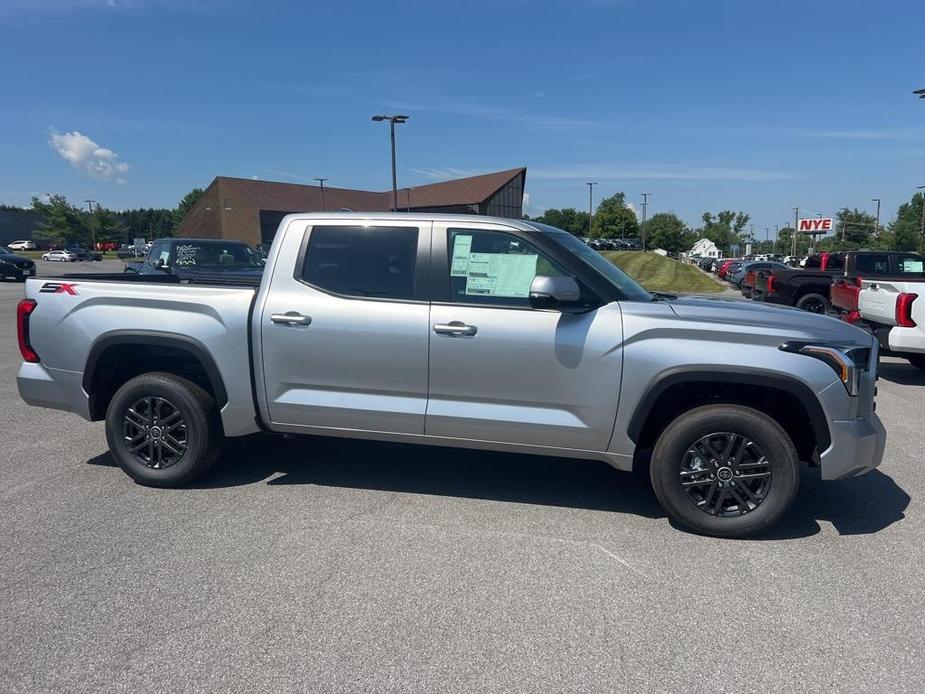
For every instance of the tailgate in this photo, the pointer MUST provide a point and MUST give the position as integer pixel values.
(877, 301)
(844, 294)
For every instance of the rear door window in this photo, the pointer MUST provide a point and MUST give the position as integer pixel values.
(360, 261)
(872, 264)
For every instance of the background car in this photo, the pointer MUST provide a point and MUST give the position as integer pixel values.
(22, 246)
(84, 254)
(15, 266)
(60, 256)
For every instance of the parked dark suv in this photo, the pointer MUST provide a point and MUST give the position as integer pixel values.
(15, 266)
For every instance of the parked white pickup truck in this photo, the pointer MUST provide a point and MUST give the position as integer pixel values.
(894, 310)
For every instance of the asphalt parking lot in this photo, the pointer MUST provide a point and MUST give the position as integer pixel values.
(343, 566)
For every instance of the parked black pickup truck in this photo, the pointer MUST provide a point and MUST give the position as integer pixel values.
(809, 287)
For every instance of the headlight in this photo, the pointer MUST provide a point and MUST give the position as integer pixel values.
(847, 362)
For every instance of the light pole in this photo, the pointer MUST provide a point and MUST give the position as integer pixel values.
(90, 204)
(645, 205)
(590, 185)
(392, 121)
(920, 93)
(408, 193)
(796, 223)
(321, 183)
(877, 228)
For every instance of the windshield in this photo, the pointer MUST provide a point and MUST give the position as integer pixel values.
(623, 283)
(4, 249)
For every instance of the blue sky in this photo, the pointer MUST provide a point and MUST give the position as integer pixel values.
(747, 104)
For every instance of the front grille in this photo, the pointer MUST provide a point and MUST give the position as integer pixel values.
(25, 265)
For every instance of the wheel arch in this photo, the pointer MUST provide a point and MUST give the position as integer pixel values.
(107, 366)
(795, 407)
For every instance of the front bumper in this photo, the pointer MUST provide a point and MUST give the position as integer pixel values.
(7, 270)
(857, 447)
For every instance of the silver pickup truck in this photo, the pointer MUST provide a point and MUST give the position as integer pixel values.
(460, 331)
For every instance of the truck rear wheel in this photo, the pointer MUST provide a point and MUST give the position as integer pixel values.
(725, 470)
(814, 303)
(163, 430)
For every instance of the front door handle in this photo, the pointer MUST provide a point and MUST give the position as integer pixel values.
(455, 329)
(290, 318)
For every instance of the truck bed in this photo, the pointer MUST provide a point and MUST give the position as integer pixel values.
(95, 311)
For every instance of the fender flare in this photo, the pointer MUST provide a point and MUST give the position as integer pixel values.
(738, 376)
(157, 339)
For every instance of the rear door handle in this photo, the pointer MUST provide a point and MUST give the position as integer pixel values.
(290, 318)
(455, 329)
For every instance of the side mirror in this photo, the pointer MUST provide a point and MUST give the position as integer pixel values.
(553, 292)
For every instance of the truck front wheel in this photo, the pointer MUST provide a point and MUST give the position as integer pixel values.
(163, 430)
(725, 470)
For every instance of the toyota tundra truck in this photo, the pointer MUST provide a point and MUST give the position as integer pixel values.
(463, 331)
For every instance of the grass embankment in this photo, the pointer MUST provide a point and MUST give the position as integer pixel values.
(660, 274)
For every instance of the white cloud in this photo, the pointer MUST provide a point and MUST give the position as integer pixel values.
(87, 157)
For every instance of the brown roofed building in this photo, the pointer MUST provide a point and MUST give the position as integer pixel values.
(249, 210)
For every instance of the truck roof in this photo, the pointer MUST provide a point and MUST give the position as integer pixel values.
(462, 219)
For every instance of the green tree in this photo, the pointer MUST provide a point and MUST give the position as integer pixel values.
(568, 219)
(613, 219)
(666, 230)
(62, 223)
(186, 204)
(854, 228)
(906, 229)
(725, 228)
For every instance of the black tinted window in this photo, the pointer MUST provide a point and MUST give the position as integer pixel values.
(834, 263)
(877, 264)
(362, 261)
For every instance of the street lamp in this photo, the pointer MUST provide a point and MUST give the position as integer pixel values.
(321, 183)
(920, 93)
(877, 228)
(392, 121)
(590, 185)
(645, 205)
(90, 204)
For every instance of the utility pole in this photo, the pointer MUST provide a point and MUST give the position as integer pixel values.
(321, 183)
(92, 232)
(590, 185)
(796, 223)
(392, 121)
(645, 204)
(877, 228)
(408, 194)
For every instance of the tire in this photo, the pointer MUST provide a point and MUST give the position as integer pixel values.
(917, 360)
(772, 484)
(814, 303)
(197, 439)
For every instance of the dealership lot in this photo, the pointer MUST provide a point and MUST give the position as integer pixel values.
(324, 565)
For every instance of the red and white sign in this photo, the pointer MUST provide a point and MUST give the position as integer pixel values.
(816, 225)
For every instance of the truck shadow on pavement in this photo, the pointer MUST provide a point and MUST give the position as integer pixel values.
(901, 373)
(858, 506)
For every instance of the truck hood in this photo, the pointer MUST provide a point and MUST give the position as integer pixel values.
(761, 319)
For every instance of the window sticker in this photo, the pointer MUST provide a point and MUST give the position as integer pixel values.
(462, 245)
(499, 274)
(911, 265)
(186, 255)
